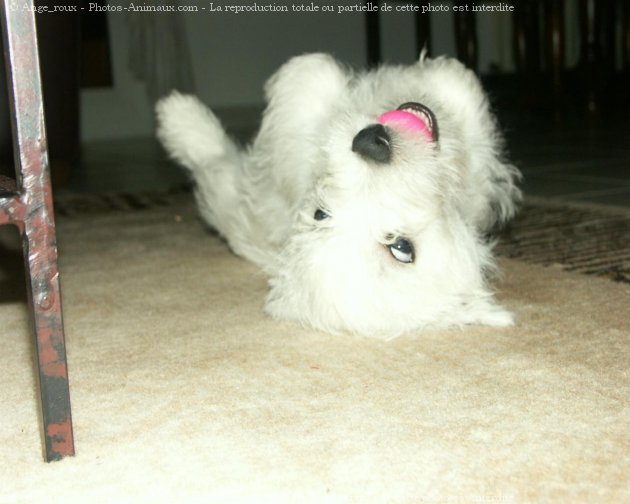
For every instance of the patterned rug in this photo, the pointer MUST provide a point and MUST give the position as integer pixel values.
(589, 239)
(69, 204)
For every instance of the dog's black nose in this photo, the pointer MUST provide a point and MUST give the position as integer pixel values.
(373, 143)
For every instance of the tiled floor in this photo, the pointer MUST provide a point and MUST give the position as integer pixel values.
(129, 165)
(579, 161)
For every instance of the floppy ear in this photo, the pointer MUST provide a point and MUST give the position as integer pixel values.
(490, 182)
(491, 189)
(503, 196)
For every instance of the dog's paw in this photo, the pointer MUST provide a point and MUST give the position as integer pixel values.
(490, 314)
(189, 131)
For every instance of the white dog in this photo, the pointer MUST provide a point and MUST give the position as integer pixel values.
(365, 196)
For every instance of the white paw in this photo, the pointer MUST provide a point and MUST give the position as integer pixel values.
(189, 131)
(495, 316)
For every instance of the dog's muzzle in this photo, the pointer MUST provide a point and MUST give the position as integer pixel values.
(373, 143)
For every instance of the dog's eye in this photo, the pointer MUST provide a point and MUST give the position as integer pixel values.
(320, 214)
(402, 250)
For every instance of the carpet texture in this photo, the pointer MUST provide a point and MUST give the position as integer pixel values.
(183, 391)
(591, 239)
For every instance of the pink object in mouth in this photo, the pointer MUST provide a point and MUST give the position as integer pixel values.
(406, 121)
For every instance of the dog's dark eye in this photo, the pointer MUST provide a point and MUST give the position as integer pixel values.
(320, 214)
(402, 250)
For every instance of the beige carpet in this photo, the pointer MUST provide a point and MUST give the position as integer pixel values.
(183, 391)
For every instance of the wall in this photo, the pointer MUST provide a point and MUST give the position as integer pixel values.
(233, 54)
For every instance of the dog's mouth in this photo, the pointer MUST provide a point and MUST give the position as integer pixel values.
(414, 117)
(425, 114)
(374, 142)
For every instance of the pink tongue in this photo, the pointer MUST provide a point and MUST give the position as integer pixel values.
(405, 121)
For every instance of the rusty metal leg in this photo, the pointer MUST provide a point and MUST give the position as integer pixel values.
(40, 254)
(30, 208)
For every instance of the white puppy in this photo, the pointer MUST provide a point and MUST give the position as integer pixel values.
(365, 196)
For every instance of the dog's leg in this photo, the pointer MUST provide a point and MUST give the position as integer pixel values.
(224, 180)
(191, 133)
(486, 312)
(194, 137)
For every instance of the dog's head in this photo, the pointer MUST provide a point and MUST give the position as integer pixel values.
(389, 236)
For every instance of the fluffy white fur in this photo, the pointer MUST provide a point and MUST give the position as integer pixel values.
(337, 273)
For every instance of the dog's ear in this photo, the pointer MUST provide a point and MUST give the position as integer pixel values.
(503, 197)
(493, 193)
(490, 181)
